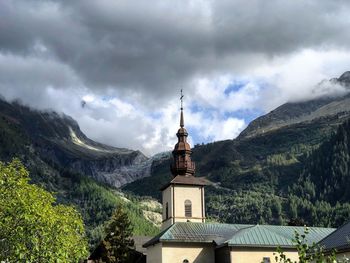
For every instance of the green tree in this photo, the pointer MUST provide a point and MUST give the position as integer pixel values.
(32, 228)
(117, 245)
(307, 253)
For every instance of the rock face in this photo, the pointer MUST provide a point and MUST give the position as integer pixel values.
(299, 112)
(345, 78)
(58, 140)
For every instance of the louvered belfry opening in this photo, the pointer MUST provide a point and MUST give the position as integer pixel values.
(188, 208)
(167, 210)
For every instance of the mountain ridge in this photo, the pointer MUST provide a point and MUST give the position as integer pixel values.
(57, 137)
(296, 112)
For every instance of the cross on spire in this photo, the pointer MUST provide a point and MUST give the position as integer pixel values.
(182, 115)
(181, 98)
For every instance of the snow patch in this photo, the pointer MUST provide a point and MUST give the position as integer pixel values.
(79, 142)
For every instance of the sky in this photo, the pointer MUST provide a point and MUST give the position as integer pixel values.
(117, 67)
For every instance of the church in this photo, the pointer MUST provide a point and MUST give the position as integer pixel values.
(186, 237)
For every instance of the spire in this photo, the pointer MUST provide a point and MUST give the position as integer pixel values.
(182, 123)
(182, 163)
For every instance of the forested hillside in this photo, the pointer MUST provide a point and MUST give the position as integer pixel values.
(327, 173)
(319, 195)
(322, 191)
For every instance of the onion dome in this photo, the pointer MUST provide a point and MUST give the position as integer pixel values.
(182, 163)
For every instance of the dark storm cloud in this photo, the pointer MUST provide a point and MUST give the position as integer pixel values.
(55, 54)
(158, 45)
(277, 27)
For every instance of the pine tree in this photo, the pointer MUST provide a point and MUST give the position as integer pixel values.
(118, 242)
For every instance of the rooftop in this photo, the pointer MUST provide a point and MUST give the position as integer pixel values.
(238, 235)
(339, 239)
(187, 180)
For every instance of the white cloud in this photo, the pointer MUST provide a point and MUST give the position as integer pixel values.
(294, 77)
(211, 93)
(217, 128)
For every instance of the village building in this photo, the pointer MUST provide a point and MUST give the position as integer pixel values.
(187, 238)
(338, 242)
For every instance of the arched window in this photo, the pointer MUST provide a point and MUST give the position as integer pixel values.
(185, 261)
(166, 210)
(188, 208)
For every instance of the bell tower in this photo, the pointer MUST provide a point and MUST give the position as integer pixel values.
(183, 196)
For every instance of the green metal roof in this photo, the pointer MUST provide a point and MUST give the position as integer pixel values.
(236, 234)
(268, 235)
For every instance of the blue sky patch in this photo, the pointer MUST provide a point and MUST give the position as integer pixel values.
(235, 86)
(247, 115)
(155, 115)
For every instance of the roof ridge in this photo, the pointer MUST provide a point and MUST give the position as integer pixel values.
(273, 230)
(240, 230)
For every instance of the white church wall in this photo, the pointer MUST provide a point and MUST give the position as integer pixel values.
(192, 193)
(178, 252)
(257, 255)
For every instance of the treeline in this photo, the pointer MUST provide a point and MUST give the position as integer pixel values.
(251, 207)
(97, 202)
(13, 141)
(319, 196)
(244, 207)
(322, 191)
(326, 175)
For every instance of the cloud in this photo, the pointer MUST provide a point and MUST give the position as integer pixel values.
(155, 46)
(128, 60)
(226, 93)
(124, 125)
(297, 77)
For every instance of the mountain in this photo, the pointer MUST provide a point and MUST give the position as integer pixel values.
(58, 138)
(253, 175)
(77, 169)
(344, 78)
(294, 113)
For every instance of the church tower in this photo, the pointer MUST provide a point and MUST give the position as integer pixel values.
(183, 196)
